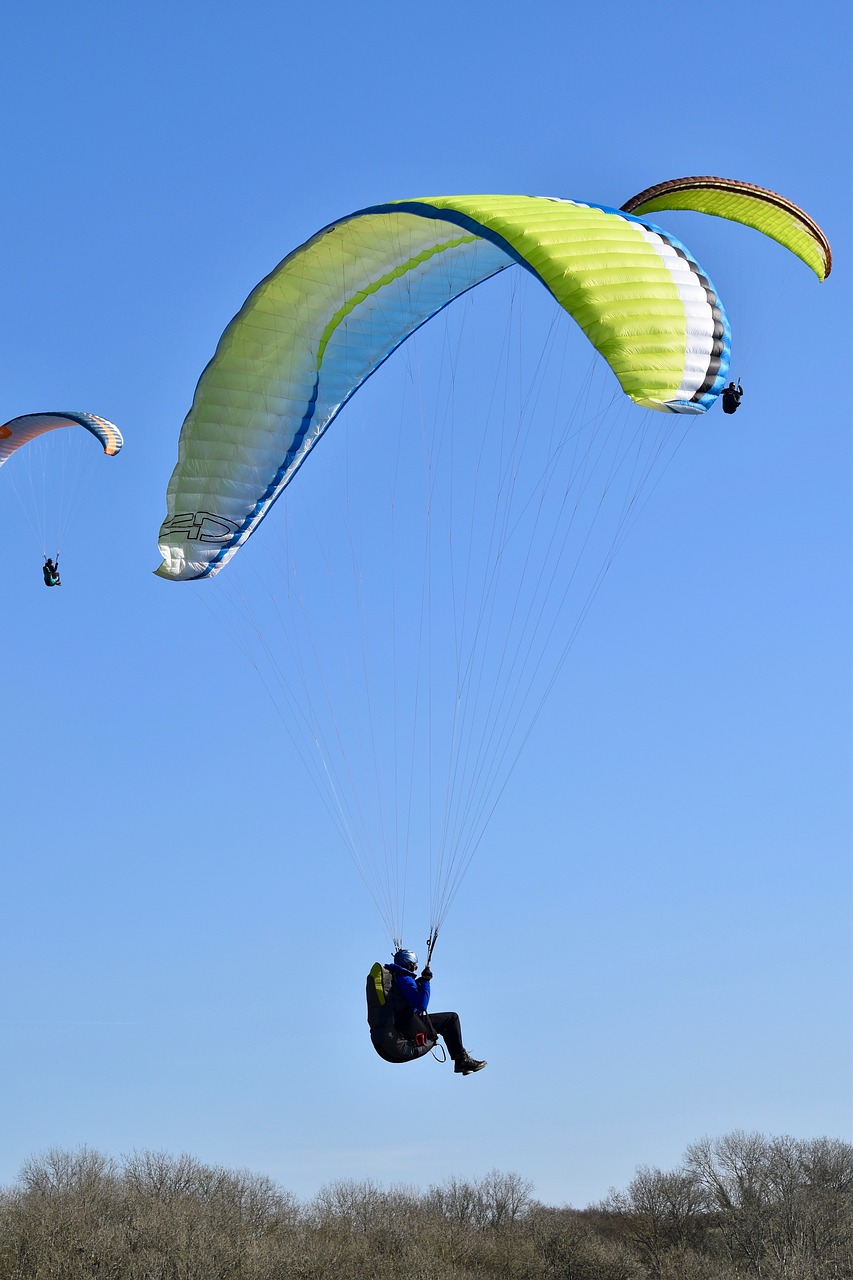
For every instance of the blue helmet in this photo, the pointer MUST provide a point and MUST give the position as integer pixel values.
(406, 960)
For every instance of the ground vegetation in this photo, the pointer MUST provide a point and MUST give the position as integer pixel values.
(736, 1207)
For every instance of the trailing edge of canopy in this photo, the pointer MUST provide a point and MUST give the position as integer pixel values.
(20, 431)
(766, 211)
(327, 317)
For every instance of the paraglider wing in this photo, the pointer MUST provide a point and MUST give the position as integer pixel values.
(329, 315)
(756, 207)
(20, 431)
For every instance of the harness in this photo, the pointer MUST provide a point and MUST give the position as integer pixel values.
(397, 1032)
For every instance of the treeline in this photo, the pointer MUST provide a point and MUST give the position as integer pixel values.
(740, 1206)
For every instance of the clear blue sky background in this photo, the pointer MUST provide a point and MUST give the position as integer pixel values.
(654, 942)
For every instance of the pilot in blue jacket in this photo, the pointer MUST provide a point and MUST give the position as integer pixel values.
(412, 1020)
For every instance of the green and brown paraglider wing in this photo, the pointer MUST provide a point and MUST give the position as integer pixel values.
(766, 211)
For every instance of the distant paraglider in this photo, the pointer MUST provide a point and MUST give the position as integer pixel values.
(30, 427)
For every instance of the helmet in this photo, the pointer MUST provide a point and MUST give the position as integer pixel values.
(406, 960)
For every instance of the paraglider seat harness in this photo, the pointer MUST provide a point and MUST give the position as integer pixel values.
(414, 1028)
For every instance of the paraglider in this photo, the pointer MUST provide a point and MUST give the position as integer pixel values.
(305, 341)
(401, 1029)
(29, 427)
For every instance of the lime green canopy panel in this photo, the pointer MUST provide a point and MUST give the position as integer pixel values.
(625, 285)
(329, 315)
(756, 207)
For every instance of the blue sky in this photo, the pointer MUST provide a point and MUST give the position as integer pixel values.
(653, 942)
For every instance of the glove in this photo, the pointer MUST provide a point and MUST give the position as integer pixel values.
(427, 973)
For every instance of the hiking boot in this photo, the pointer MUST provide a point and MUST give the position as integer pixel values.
(465, 1066)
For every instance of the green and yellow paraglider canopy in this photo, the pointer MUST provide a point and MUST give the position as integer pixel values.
(333, 310)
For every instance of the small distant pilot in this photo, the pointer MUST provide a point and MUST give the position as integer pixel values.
(732, 397)
(50, 569)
